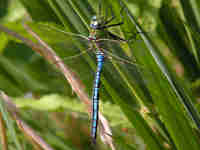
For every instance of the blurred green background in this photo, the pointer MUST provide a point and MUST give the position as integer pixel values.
(155, 104)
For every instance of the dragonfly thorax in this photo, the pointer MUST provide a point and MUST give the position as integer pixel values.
(92, 37)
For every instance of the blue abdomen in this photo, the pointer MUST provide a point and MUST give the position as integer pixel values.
(95, 97)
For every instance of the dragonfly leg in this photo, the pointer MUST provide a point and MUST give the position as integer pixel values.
(111, 25)
(115, 37)
(112, 18)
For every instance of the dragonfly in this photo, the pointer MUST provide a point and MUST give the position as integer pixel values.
(96, 26)
(98, 40)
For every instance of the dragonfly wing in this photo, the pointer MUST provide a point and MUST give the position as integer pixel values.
(121, 59)
(55, 35)
(68, 45)
(73, 49)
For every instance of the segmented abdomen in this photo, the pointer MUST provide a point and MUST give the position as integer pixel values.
(95, 97)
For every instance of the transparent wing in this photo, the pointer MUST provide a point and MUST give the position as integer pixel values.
(74, 50)
(77, 53)
(79, 43)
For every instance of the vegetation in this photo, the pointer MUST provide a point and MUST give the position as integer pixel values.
(150, 103)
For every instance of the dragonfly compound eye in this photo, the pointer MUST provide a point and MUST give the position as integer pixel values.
(94, 23)
(94, 18)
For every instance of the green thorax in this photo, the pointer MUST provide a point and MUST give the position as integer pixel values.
(99, 34)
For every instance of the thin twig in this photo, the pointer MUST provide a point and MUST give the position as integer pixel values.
(3, 134)
(16, 35)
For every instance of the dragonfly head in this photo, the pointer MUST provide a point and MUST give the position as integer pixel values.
(94, 22)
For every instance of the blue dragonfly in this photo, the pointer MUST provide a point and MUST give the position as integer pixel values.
(98, 42)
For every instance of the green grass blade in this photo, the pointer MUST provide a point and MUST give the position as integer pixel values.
(169, 100)
(10, 125)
